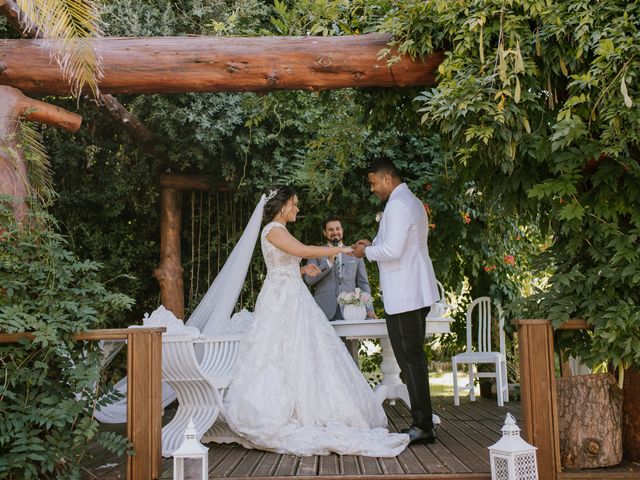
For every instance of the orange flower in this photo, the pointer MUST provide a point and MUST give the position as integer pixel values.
(488, 268)
(509, 259)
(432, 226)
(467, 218)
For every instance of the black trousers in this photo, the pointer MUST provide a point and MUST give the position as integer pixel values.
(406, 333)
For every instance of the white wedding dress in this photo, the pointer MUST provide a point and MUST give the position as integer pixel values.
(296, 389)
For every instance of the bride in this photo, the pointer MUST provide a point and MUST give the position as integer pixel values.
(296, 389)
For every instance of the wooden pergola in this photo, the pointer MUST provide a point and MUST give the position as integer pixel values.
(262, 64)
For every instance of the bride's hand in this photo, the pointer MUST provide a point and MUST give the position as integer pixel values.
(310, 269)
(346, 250)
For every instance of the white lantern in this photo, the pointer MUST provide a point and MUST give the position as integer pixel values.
(192, 449)
(511, 457)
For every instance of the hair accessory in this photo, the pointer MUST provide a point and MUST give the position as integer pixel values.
(272, 193)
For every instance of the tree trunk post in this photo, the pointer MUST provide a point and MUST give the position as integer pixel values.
(590, 421)
(14, 105)
(538, 394)
(169, 272)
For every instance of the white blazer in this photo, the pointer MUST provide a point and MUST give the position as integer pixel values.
(407, 279)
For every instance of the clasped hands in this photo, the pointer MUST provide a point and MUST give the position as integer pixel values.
(357, 250)
(359, 246)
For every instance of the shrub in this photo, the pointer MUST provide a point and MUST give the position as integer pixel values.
(49, 386)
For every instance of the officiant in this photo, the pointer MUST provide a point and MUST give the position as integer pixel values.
(340, 273)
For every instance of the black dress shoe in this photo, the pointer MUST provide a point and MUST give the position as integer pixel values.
(417, 435)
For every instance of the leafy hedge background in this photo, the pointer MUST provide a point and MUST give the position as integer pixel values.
(526, 155)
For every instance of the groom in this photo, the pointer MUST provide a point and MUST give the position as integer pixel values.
(408, 286)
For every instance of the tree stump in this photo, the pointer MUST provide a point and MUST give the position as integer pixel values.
(590, 421)
(631, 409)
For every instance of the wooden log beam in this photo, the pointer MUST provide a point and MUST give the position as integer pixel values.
(222, 64)
(15, 105)
(14, 178)
(128, 121)
(205, 183)
(11, 11)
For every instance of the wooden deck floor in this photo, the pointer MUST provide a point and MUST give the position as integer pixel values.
(460, 453)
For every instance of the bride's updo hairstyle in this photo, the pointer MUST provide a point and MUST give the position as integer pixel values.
(277, 202)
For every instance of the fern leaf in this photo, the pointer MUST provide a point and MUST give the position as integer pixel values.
(40, 176)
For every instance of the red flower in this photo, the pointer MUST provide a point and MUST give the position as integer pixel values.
(428, 187)
(509, 259)
(488, 268)
(467, 218)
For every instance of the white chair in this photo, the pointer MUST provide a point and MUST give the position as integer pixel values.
(481, 352)
(438, 319)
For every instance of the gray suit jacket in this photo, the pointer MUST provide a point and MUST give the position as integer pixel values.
(328, 286)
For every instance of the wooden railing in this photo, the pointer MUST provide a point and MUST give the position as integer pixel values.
(144, 393)
(538, 391)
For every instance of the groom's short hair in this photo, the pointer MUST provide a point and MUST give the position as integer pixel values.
(383, 165)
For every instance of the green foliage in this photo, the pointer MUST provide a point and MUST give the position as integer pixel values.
(526, 151)
(49, 384)
(543, 92)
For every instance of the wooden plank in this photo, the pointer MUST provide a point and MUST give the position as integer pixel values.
(144, 408)
(233, 456)
(369, 466)
(438, 451)
(473, 439)
(193, 182)
(349, 465)
(308, 466)
(464, 456)
(267, 465)
(575, 324)
(287, 466)
(454, 476)
(539, 409)
(329, 465)
(248, 463)
(599, 474)
(391, 466)
(407, 458)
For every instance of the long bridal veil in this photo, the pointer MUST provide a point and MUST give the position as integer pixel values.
(214, 312)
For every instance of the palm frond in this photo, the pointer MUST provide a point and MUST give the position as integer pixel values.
(71, 26)
(40, 176)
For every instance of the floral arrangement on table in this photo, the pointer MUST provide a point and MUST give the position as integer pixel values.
(356, 298)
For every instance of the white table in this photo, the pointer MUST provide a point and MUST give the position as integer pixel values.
(391, 386)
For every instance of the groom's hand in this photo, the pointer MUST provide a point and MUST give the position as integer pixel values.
(358, 250)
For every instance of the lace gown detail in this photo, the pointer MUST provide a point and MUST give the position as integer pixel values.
(296, 389)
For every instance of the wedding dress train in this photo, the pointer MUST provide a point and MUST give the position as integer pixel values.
(296, 389)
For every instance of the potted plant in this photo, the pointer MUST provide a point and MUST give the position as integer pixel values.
(354, 304)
